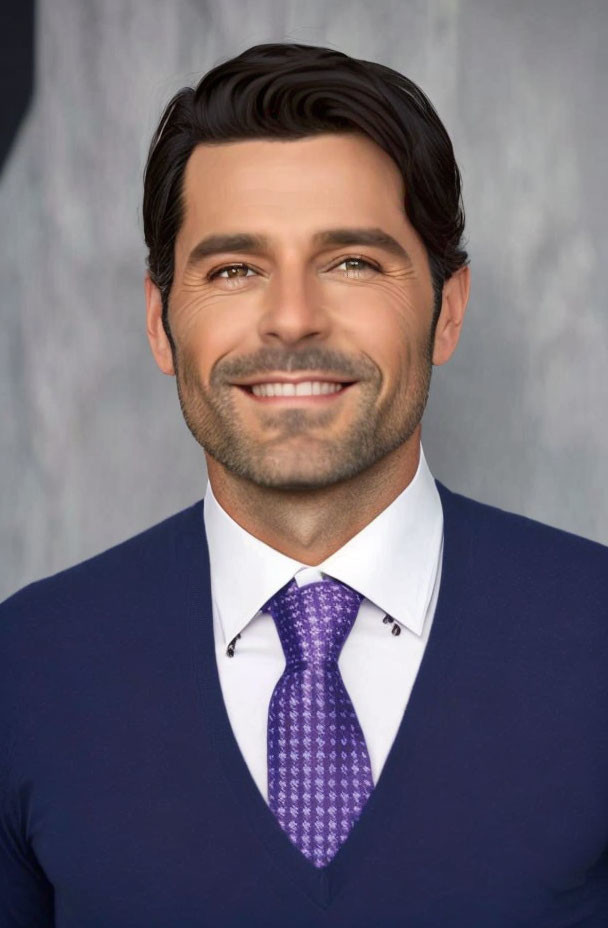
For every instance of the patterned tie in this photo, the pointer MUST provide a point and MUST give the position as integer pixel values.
(319, 772)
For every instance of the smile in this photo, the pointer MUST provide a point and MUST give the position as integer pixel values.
(291, 393)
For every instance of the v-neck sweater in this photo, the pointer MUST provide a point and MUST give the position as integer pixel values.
(125, 801)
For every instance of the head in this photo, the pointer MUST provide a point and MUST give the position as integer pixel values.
(303, 217)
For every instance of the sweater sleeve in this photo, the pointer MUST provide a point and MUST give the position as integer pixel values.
(26, 895)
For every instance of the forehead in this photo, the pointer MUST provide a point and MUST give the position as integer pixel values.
(316, 179)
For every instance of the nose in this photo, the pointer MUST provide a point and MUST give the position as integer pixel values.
(293, 309)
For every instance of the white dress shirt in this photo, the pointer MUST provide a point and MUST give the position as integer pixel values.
(394, 561)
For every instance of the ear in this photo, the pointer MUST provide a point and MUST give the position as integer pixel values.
(453, 305)
(159, 343)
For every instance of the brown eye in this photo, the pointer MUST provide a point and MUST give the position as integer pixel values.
(362, 265)
(229, 267)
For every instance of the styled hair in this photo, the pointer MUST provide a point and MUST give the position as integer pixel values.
(290, 91)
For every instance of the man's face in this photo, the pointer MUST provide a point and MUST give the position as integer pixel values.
(300, 307)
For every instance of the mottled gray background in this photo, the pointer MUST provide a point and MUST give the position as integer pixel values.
(94, 447)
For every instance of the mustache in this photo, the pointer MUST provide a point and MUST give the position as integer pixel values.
(271, 361)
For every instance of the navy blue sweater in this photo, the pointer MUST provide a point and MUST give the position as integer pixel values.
(125, 801)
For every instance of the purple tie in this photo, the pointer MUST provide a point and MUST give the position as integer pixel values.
(319, 772)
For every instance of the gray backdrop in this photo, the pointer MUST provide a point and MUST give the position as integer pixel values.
(94, 447)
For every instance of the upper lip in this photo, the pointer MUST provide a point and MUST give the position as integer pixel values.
(281, 378)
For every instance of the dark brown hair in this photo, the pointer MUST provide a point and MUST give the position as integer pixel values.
(291, 91)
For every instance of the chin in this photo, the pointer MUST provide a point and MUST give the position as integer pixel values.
(283, 477)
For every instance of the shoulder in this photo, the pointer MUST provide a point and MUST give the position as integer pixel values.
(133, 564)
(538, 559)
(57, 631)
(506, 526)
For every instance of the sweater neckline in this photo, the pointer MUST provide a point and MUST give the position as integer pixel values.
(322, 885)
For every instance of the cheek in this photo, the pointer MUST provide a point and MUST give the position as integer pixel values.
(207, 331)
(388, 326)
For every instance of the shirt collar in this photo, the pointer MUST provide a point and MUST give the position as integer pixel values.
(392, 561)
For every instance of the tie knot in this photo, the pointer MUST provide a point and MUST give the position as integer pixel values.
(313, 621)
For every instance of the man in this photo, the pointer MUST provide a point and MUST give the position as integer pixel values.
(332, 692)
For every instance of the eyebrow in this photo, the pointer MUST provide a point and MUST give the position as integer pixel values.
(258, 244)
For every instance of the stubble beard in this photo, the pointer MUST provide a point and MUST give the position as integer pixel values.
(295, 459)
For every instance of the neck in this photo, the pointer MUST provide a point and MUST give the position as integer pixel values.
(310, 525)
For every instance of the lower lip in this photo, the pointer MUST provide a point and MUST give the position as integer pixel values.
(313, 399)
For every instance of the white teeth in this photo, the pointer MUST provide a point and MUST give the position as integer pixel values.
(306, 388)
